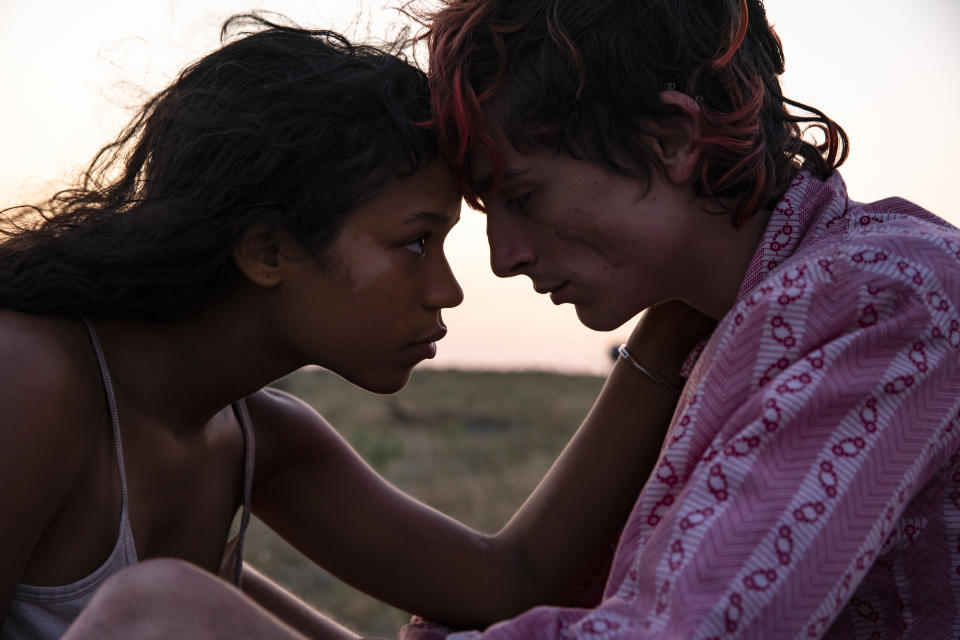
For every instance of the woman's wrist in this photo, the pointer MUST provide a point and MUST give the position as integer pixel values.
(665, 336)
(672, 386)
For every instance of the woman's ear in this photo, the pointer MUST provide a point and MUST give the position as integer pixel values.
(677, 136)
(258, 254)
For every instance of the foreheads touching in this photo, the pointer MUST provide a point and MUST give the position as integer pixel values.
(586, 78)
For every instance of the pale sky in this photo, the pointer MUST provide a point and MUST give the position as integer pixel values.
(887, 70)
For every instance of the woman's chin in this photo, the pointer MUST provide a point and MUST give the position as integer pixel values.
(383, 382)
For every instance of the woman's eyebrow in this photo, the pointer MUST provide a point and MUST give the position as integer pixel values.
(433, 217)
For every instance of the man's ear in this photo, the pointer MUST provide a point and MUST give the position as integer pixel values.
(677, 136)
(258, 254)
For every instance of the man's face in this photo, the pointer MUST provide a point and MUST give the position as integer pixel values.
(585, 235)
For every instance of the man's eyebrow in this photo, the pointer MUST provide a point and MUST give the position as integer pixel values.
(482, 186)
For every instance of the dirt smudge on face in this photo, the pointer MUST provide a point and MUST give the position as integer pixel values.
(582, 228)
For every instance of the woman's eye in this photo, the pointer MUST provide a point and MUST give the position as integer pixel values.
(518, 202)
(417, 246)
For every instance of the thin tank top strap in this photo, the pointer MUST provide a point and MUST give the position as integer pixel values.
(243, 417)
(112, 406)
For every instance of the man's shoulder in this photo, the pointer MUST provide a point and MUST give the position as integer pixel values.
(893, 219)
(846, 283)
(891, 242)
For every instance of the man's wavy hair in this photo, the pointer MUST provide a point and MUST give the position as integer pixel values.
(581, 76)
(281, 125)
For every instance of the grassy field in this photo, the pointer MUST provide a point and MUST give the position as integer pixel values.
(472, 444)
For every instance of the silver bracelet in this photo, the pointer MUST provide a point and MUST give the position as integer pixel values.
(642, 369)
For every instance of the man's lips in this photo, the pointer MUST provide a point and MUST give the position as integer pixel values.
(548, 288)
(556, 291)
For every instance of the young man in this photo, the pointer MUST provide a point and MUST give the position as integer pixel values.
(630, 153)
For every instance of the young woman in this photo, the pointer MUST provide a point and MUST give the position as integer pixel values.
(280, 204)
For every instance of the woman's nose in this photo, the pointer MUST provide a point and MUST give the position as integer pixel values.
(445, 292)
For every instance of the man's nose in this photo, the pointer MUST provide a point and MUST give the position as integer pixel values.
(510, 250)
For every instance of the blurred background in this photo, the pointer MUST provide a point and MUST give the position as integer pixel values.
(518, 374)
(887, 70)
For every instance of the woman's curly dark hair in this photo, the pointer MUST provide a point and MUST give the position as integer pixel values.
(281, 125)
(581, 77)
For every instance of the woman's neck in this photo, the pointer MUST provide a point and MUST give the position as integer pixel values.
(184, 371)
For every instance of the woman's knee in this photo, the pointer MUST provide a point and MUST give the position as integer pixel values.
(147, 597)
(150, 578)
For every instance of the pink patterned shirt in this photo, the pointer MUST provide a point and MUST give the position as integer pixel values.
(809, 485)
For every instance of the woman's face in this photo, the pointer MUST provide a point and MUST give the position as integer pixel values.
(371, 309)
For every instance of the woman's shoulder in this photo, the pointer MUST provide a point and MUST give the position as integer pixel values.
(49, 374)
(280, 408)
(35, 346)
(287, 430)
(51, 406)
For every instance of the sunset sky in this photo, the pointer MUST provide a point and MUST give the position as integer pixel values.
(887, 70)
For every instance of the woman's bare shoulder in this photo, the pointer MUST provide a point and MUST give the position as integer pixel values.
(274, 409)
(50, 380)
(50, 405)
(288, 430)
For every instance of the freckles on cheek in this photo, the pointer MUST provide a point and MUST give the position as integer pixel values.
(580, 228)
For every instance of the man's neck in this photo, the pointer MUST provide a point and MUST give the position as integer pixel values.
(725, 262)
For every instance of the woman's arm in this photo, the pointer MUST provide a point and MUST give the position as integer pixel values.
(321, 497)
(579, 507)
(289, 608)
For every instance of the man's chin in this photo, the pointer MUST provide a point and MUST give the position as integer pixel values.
(600, 321)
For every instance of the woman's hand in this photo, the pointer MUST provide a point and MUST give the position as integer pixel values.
(666, 334)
